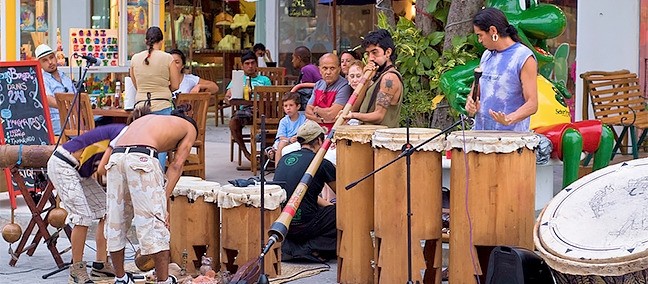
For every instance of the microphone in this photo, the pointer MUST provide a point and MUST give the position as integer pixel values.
(89, 58)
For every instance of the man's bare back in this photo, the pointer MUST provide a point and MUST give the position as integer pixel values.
(162, 132)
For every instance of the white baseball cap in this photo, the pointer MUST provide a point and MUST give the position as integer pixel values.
(43, 50)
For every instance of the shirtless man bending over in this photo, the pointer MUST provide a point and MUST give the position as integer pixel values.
(136, 187)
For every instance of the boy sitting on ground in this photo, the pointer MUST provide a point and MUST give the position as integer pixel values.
(288, 125)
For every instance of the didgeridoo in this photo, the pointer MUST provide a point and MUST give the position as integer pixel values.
(30, 156)
(279, 228)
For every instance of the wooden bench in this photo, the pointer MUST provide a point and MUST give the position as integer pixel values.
(617, 101)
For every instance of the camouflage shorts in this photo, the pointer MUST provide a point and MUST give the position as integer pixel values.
(83, 198)
(136, 193)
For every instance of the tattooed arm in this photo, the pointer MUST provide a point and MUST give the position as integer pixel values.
(388, 95)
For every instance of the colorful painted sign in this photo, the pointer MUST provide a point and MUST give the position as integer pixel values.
(100, 43)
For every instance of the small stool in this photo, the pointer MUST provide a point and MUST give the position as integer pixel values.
(241, 227)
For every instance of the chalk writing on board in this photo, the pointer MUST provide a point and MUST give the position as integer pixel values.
(24, 112)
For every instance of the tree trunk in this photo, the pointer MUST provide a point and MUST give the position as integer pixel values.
(459, 24)
(385, 7)
(422, 19)
(460, 19)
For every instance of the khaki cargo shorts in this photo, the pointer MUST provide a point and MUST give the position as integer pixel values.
(136, 194)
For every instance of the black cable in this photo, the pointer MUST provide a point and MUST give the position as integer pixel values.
(29, 270)
(327, 268)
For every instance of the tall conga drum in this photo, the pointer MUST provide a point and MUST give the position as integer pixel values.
(194, 223)
(491, 199)
(355, 207)
(390, 207)
(241, 213)
(596, 229)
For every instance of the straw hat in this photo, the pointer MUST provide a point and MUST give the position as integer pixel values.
(43, 50)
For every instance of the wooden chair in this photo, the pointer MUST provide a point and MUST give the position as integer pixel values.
(64, 102)
(617, 101)
(195, 163)
(216, 75)
(266, 101)
(277, 75)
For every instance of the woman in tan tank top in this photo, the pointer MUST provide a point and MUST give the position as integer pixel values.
(153, 71)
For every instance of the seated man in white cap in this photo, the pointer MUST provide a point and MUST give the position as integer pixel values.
(312, 234)
(55, 81)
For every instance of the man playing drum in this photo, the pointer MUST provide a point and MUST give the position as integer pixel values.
(136, 187)
(312, 234)
(382, 102)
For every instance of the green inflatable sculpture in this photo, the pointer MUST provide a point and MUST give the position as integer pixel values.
(535, 24)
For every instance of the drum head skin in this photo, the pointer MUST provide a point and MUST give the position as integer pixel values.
(490, 141)
(356, 133)
(193, 188)
(394, 139)
(599, 222)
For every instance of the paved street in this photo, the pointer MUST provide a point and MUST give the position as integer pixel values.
(30, 269)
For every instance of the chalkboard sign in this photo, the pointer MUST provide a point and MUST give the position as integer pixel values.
(24, 112)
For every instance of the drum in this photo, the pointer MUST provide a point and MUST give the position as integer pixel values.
(194, 223)
(595, 230)
(390, 207)
(354, 207)
(242, 225)
(493, 197)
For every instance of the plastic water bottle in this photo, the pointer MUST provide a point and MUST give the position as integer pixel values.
(117, 98)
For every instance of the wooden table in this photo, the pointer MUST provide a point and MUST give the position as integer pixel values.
(239, 102)
(112, 112)
(118, 115)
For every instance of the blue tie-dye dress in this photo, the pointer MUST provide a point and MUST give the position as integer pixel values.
(501, 87)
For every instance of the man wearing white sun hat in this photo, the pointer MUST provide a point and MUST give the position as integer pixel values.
(55, 81)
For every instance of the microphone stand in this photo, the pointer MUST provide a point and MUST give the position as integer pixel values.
(408, 186)
(76, 100)
(263, 277)
(407, 152)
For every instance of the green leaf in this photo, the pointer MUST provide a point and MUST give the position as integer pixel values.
(458, 41)
(442, 14)
(427, 63)
(432, 6)
(436, 37)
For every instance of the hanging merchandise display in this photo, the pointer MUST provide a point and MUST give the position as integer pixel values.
(200, 39)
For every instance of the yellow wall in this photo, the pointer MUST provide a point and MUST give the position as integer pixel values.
(10, 32)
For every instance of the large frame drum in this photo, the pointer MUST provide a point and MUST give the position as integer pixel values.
(242, 225)
(390, 207)
(595, 230)
(194, 223)
(355, 207)
(497, 190)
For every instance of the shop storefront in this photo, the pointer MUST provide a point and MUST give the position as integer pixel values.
(313, 24)
(79, 27)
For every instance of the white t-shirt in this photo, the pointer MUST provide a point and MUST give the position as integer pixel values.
(189, 81)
